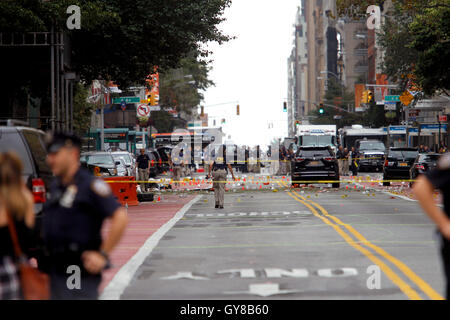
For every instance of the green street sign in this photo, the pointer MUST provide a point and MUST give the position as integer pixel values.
(126, 100)
(392, 98)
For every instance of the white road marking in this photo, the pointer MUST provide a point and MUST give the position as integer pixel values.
(123, 277)
(263, 290)
(184, 275)
(278, 273)
(337, 273)
(244, 273)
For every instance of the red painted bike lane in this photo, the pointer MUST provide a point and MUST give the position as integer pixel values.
(144, 221)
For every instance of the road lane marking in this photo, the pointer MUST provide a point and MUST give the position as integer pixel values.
(407, 290)
(424, 286)
(123, 277)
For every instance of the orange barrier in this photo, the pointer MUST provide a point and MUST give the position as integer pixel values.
(125, 192)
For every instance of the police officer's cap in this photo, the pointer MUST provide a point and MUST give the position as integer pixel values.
(57, 140)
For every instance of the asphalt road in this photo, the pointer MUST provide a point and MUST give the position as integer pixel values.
(310, 243)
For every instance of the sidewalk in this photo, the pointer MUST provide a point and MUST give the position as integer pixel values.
(144, 220)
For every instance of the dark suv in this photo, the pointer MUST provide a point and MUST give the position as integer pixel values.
(315, 164)
(28, 144)
(398, 164)
(371, 154)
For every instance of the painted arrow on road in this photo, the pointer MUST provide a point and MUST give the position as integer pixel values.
(264, 290)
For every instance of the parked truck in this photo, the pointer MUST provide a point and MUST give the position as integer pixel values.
(317, 135)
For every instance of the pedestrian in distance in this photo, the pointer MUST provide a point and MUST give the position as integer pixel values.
(340, 158)
(421, 149)
(423, 190)
(426, 149)
(75, 253)
(143, 164)
(354, 163)
(177, 165)
(345, 162)
(16, 207)
(219, 169)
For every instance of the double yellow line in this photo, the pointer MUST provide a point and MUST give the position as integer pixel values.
(363, 245)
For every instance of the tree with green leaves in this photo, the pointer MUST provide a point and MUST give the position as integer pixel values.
(342, 99)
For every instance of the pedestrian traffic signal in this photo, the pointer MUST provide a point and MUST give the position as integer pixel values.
(237, 110)
(284, 106)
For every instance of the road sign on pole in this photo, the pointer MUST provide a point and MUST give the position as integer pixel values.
(143, 110)
(126, 100)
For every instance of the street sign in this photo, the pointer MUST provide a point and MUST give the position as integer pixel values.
(123, 106)
(143, 110)
(155, 108)
(390, 105)
(126, 100)
(392, 98)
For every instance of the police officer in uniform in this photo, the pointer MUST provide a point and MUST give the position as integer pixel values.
(423, 190)
(220, 169)
(73, 216)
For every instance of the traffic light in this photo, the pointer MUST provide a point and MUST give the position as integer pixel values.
(284, 106)
(298, 122)
(223, 121)
(365, 96)
(202, 113)
(237, 110)
(370, 97)
(153, 99)
(321, 109)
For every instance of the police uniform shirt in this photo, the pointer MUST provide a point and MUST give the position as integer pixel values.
(142, 161)
(74, 214)
(440, 179)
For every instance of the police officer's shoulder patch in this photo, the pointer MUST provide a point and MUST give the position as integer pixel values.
(444, 162)
(100, 187)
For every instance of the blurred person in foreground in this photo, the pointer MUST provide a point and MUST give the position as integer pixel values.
(72, 222)
(16, 203)
(423, 190)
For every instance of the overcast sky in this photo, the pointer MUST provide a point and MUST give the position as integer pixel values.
(252, 69)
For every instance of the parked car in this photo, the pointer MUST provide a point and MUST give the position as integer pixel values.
(398, 163)
(29, 145)
(371, 154)
(130, 163)
(122, 170)
(424, 162)
(104, 161)
(315, 163)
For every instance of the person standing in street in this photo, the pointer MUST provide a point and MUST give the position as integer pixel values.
(75, 253)
(345, 162)
(143, 164)
(16, 206)
(354, 163)
(423, 190)
(177, 165)
(220, 169)
(340, 159)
